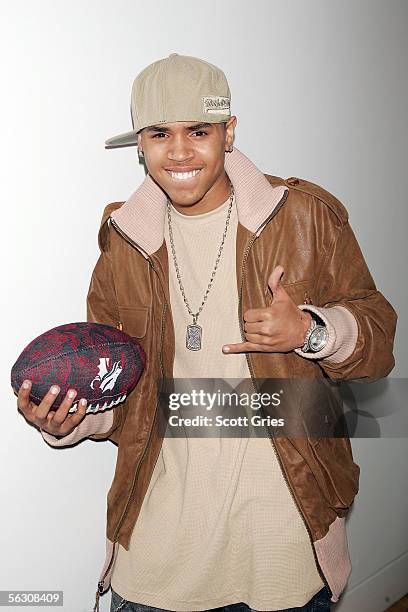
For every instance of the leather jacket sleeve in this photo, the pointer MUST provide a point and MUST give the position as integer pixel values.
(345, 280)
(102, 307)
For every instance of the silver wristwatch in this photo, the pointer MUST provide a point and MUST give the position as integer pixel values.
(316, 337)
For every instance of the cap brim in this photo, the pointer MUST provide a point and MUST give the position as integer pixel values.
(127, 139)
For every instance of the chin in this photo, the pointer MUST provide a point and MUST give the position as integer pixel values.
(184, 197)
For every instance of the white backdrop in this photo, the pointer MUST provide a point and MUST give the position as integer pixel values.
(320, 91)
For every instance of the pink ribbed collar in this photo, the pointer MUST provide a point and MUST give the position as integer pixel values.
(142, 216)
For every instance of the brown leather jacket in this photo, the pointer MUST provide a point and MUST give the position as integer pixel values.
(290, 222)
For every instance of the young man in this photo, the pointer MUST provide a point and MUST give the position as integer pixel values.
(223, 272)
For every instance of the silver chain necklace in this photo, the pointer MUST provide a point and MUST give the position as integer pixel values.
(194, 331)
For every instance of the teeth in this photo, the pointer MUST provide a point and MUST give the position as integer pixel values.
(183, 176)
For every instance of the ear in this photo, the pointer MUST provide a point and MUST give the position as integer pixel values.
(139, 145)
(229, 131)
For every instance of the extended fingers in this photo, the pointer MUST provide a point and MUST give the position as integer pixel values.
(241, 347)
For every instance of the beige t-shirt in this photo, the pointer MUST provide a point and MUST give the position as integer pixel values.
(218, 524)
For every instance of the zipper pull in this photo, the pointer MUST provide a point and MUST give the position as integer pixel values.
(307, 299)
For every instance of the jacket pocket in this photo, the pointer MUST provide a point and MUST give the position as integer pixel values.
(335, 471)
(134, 320)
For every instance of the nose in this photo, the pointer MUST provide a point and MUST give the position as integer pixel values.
(180, 149)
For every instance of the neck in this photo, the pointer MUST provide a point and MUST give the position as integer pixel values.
(215, 197)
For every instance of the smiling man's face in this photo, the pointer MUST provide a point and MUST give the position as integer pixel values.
(186, 159)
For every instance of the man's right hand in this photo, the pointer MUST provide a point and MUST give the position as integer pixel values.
(55, 422)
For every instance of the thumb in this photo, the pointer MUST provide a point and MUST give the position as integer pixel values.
(274, 283)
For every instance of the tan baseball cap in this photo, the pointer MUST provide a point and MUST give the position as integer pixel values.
(176, 88)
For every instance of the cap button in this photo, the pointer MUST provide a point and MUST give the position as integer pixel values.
(171, 54)
(293, 180)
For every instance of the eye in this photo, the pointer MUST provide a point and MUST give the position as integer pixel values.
(158, 134)
(200, 132)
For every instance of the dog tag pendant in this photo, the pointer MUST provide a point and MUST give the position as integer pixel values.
(193, 336)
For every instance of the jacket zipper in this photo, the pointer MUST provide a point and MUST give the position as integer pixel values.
(161, 337)
(101, 582)
(253, 238)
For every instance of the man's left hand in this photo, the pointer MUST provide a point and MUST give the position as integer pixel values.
(279, 328)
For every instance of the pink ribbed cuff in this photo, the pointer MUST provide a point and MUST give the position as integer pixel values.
(93, 423)
(343, 331)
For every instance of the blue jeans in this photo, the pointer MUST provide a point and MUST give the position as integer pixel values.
(319, 603)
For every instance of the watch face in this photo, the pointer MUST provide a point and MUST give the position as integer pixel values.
(318, 338)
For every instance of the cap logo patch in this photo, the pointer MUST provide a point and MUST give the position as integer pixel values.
(219, 105)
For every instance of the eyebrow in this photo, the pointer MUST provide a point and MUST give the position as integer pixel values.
(188, 128)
